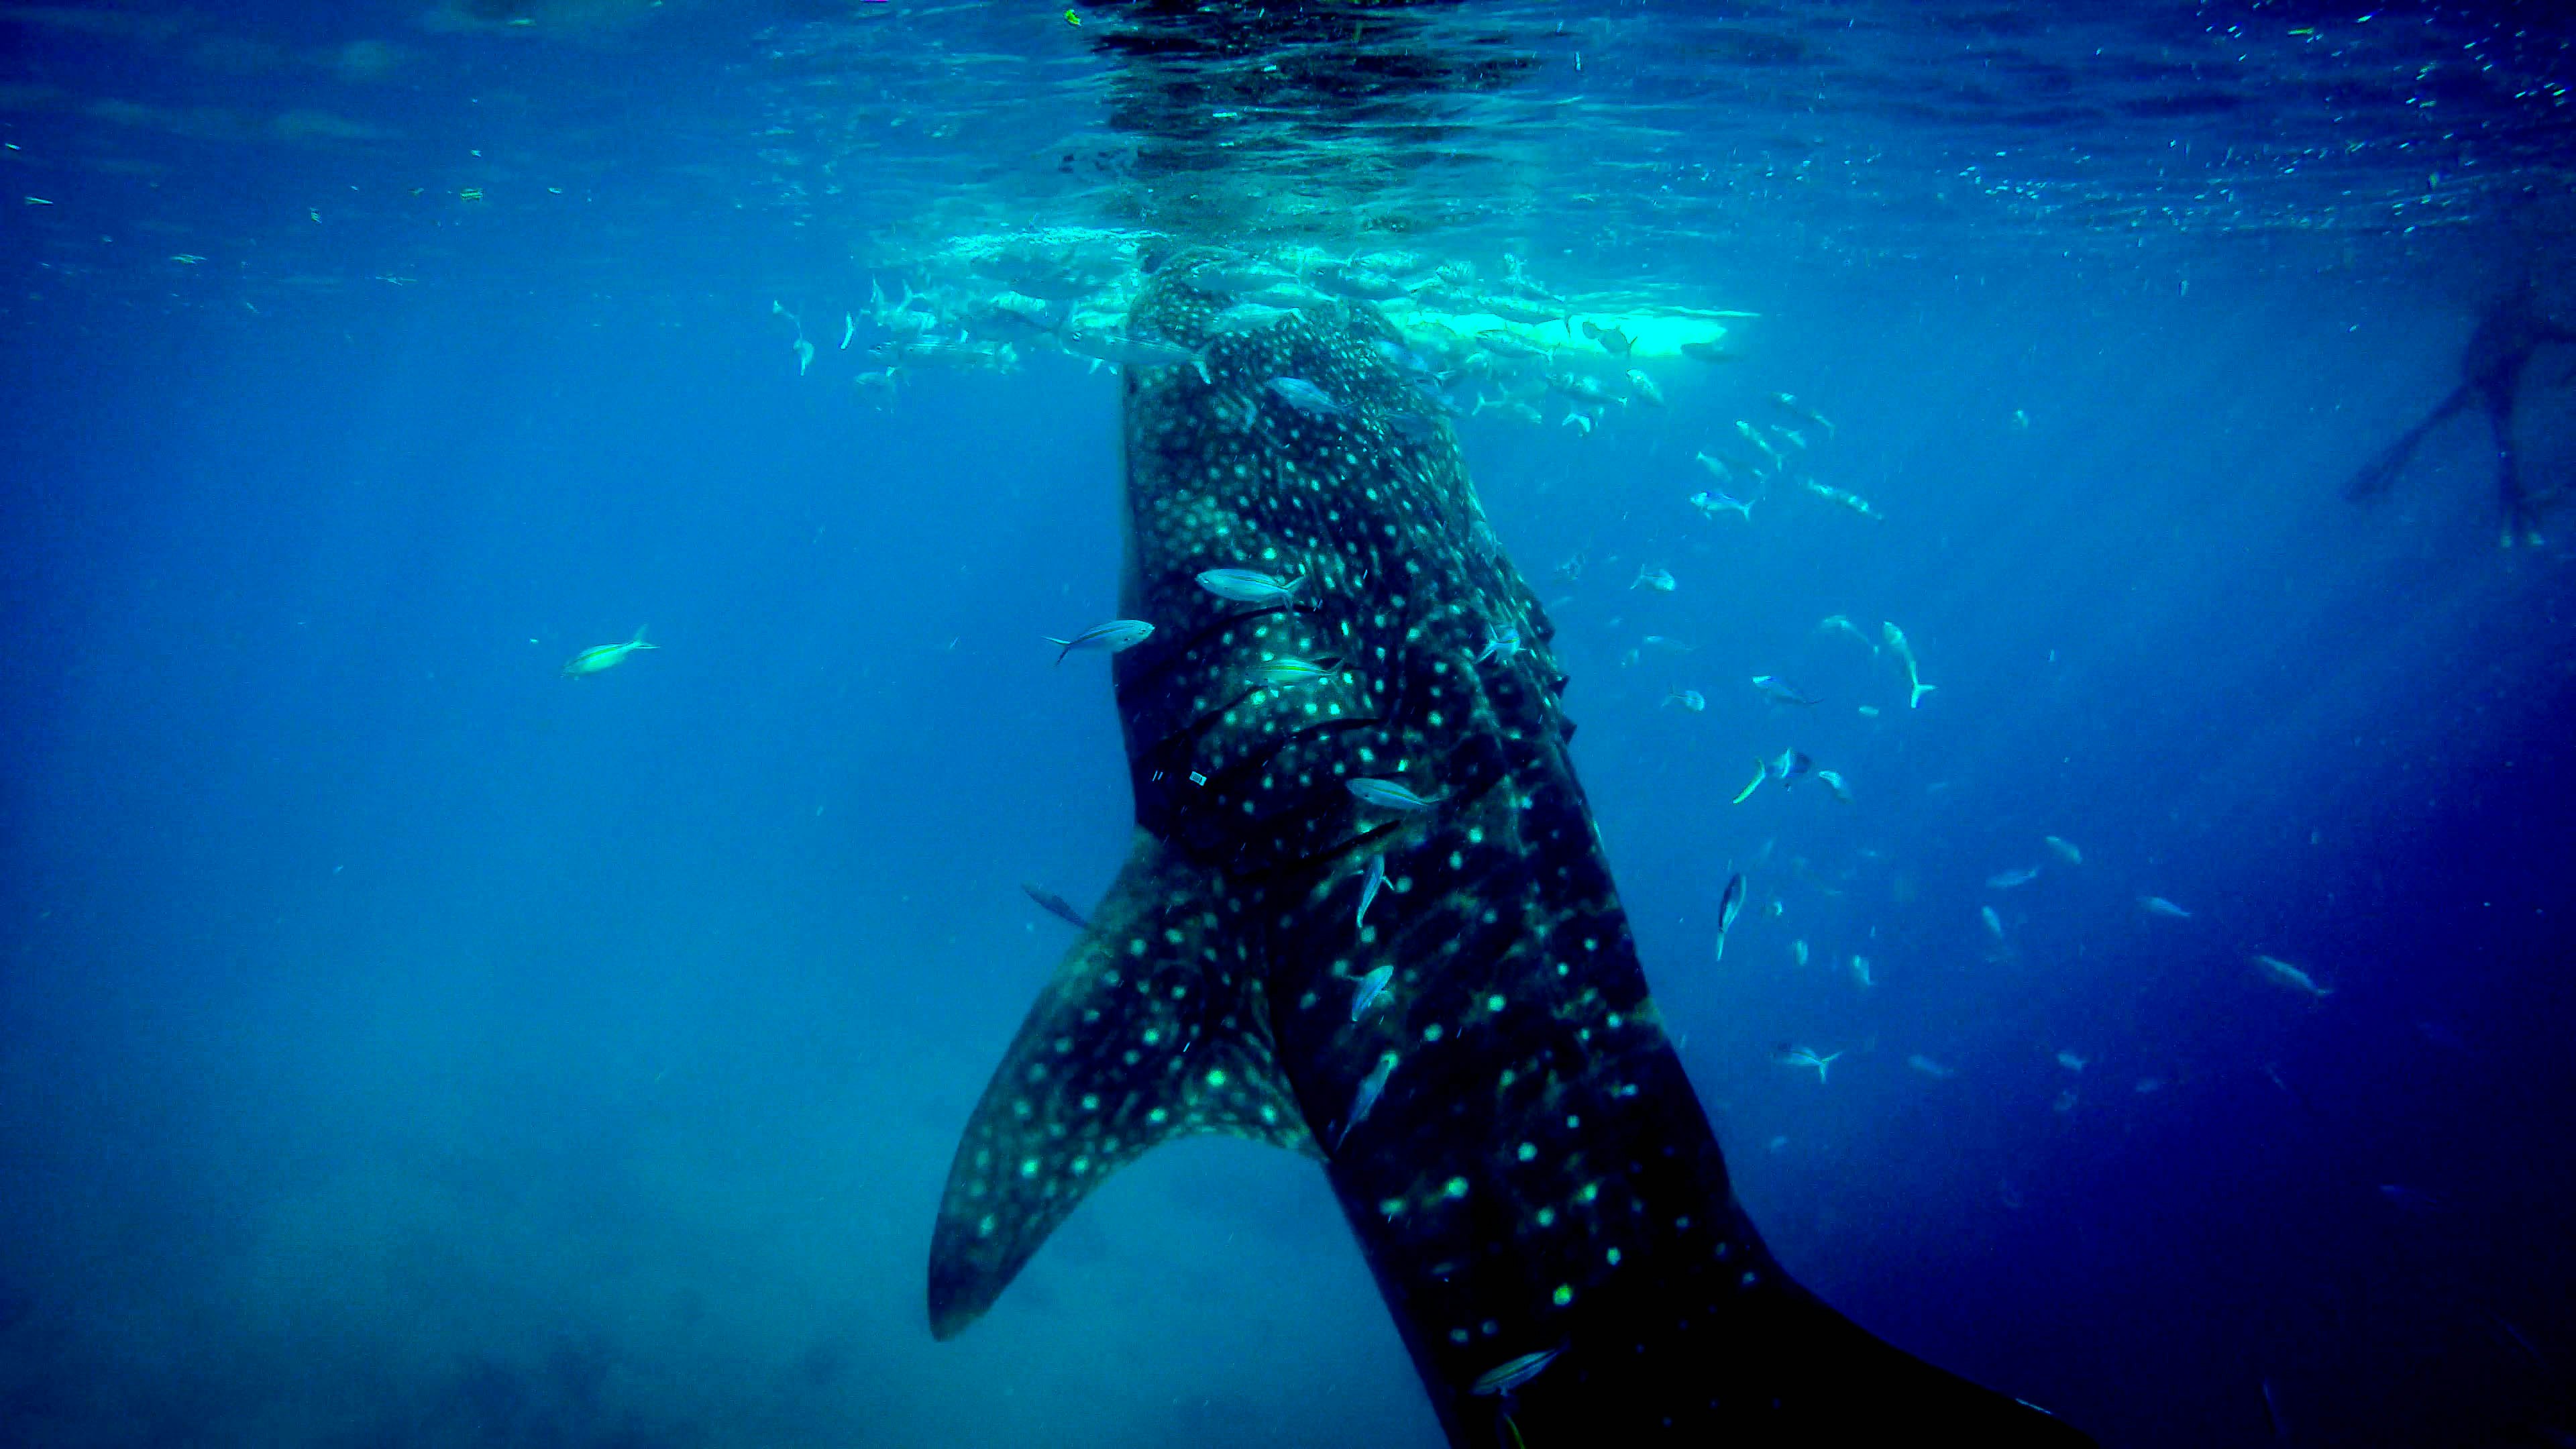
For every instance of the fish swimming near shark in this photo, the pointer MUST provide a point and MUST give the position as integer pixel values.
(1056, 906)
(600, 657)
(1536, 1184)
(1108, 638)
(1780, 691)
(1729, 906)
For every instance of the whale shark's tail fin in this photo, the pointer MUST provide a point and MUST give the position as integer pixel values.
(1150, 1030)
(1882, 1394)
(1788, 1372)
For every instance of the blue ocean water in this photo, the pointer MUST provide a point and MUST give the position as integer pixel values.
(401, 1043)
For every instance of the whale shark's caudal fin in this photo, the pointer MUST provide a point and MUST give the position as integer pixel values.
(1853, 1387)
(1151, 1029)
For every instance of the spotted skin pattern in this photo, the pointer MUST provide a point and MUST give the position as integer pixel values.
(1537, 1173)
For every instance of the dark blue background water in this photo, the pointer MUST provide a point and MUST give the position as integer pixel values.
(401, 1044)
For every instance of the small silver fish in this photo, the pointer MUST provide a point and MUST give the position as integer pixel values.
(1729, 906)
(1109, 638)
(1232, 274)
(875, 381)
(1842, 624)
(1056, 906)
(1659, 580)
(1644, 388)
(1513, 310)
(1245, 586)
(604, 656)
(1392, 795)
(1803, 412)
(1511, 1373)
(1412, 427)
(2066, 850)
(1689, 699)
(1714, 503)
(1798, 1056)
(1834, 782)
(2282, 973)
(2004, 880)
(1612, 339)
(1503, 639)
(1372, 881)
(1860, 972)
(1248, 317)
(2159, 906)
(1994, 922)
(1128, 349)
(1928, 1067)
(1843, 496)
(1798, 948)
(1370, 987)
(1781, 691)
(1283, 672)
(2072, 1061)
(1905, 651)
(1305, 397)
(1406, 360)
(1366, 1097)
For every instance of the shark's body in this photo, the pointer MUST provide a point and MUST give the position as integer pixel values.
(1536, 1175)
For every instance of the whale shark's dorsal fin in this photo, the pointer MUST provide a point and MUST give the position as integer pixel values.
(1152, 1028)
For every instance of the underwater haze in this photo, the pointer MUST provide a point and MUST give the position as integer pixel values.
(409, 1037)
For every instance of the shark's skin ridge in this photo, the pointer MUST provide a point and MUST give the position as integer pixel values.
(1536, 1174)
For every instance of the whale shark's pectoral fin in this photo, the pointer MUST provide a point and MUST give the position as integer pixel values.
(1153, 1028)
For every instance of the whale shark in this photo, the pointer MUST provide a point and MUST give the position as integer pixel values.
(1502, 1117)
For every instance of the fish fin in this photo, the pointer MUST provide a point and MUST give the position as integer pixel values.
(1810, 1355)
(1761, 772)
(1152, 1028)
(1064, 646)
(1920, 690)
(638, 641)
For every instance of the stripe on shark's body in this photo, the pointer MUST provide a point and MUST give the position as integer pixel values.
(1537, 1171)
